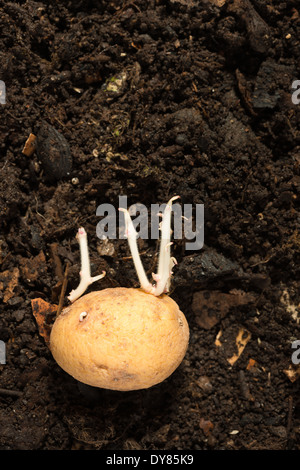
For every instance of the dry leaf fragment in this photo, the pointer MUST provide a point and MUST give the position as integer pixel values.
(293, 310)
(8, 281)
(252, 363)
(210, 307)
(293, 373)
(43, 313)
(33, 268)
(233, 341)
(241, 341)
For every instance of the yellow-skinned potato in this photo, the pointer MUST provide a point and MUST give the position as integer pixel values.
(120, 339)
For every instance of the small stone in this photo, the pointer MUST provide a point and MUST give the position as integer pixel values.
(105, 248)
(19, 315)
(181, 139)
(204, 383)
(279, 431)
(54, 152)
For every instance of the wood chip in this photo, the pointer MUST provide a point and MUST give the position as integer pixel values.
(29, 146)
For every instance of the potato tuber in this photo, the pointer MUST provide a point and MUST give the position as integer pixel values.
(122, 338)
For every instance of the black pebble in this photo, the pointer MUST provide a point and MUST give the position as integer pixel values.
(54, 152)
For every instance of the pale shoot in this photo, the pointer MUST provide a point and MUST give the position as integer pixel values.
(131, 236)
(165, 262)
(85, 274)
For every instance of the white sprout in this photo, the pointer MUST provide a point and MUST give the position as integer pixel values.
(82, 316)
(165, 262)
(85, 274)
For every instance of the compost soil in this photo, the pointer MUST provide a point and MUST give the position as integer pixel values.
(152, 99)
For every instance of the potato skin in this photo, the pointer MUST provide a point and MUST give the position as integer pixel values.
(120, 339)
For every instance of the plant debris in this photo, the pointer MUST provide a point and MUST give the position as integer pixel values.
(44, 314)
(210, 307)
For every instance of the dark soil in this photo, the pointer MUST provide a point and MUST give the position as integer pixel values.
(154, 99)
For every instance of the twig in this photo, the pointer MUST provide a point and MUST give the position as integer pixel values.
(10, 393)
(63, 290)
(244, 386)
(57, 262)
(290, 416)
(125, 258)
